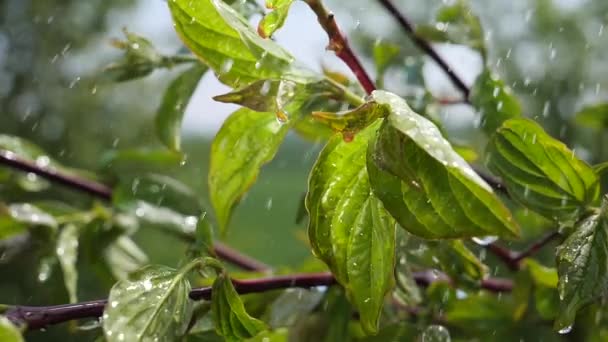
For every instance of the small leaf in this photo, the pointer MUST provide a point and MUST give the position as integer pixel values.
(203, 238)
(9, 332)
(461, 26)
(152, 305)
(246, 141)
(448, 202)
(231, 319)
(275, 19)
(124, 257)
(292, 305)
(348, 227)
(225, 42)
(494, 100)
(67, 254)
(541, 172)
(139, 60)
(593, 116)
(350, 122)
(582, 265)
(172, 109)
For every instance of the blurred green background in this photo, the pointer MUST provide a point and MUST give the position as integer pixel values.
(554, 53)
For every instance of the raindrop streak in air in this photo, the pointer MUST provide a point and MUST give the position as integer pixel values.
(565, 330)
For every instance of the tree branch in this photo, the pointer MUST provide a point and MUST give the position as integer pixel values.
(103, 192)
(513, 259)
(425, 46)
(38, 317)
(339, 44)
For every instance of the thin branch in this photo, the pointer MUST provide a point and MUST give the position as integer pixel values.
(38, 317)
(425, 46)
(103, 192)
(93, 188)
(513, 259)
(339, 44)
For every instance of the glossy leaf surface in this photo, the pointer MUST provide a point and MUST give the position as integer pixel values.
(349, 228)
(541, 172)
(246, 141)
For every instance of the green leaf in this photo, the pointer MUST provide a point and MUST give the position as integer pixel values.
(231, 319)
(292, 305)
(290, 98)
(172, 109)
(67, 254)
(9, 332)
(541, 172)
(338, 314)
(124, 257)
(350, 122)
(225, 42)
(582, 265)
(246, 141)
(139, 60)
(425, 185)
(151, 305)
(275, 19)
(593, 116)
(203, 238)
(349, 229)
(494, 100)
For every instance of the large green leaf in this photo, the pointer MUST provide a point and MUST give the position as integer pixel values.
(349, 228)
(541, 172)
(230, 317)
(425, 185)
(224, 41)
(246, 141)
(151, 305)
(494, 100)
(582, 265)
(67, 254)
(275, 19)
(8, 331)
(171, 112)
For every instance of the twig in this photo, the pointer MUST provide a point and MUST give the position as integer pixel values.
(339, 44)
(103, 192)
(513, 259)
(425, 46)
(37, 317)
(93, 188)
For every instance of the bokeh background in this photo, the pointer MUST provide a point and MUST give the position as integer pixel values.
(553, 53)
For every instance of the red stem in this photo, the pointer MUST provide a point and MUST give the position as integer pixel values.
(38, 317)
(339, 44)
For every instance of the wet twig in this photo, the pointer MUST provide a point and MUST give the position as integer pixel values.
(426, 47)
(339, 44)
(38, 317)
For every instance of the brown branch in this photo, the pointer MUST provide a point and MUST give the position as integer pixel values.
(103, 192)
(513, 259)
(38, 317)
(425, 46)
(339, 44)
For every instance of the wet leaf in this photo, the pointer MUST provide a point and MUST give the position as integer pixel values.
(350, 122)
(541, 172)
(448, 202)
(291, 305)
(67, 254)
(230, 317)
(203, 238)
(276, 18)
(139, 60)
(593, 116)
(348, 228)
(151, 305)
(246, 141)
(582, 265)
(171, 112)
(224, 41)
(124, 257)
(9, 332)
(494, 100)
(338, 314)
